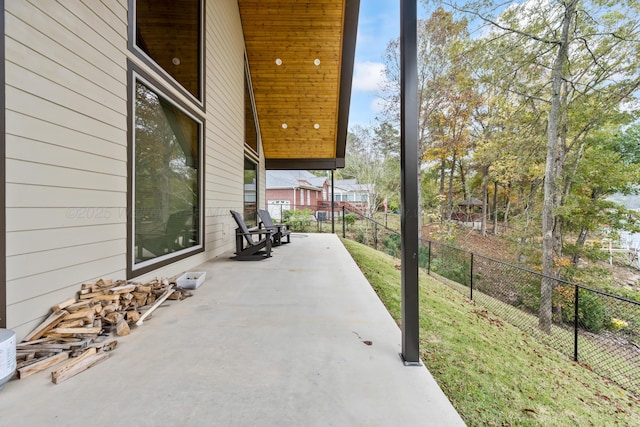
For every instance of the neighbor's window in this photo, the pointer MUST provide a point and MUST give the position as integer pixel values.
(250, 193)
(169, 32)
(166, 183)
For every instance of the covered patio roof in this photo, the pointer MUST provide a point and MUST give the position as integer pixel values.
(301, 55)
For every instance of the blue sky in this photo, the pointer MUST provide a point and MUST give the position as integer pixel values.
(379, 22)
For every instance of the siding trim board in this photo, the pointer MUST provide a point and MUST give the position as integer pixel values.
(134, 72)
(350, 29)
(3, 224)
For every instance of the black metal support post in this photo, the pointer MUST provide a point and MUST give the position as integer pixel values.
(409, 180)
(375, 235)
(575, 324)
(333, 217)
(344, 229)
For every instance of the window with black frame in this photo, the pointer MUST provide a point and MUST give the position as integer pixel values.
(166, 177)
(251, 139)
(166, 132)
(169, 34)
(250, 193)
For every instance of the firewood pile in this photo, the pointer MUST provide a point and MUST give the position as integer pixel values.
(80, 331)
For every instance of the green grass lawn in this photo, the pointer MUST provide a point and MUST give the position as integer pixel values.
(492, 372)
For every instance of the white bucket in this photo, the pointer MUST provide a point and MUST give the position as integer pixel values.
(7, 355)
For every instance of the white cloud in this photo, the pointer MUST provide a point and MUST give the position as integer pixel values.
(378, 105)
(368, 76)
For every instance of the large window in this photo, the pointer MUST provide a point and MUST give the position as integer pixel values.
(251, 139)
(250, 193)
(166, 170)
(167, 34)
(251, 129)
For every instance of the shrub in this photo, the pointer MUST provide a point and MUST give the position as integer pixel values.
(350, 218)
(451, 263)
(617, 324)
(423, 256)
(298, 220)
(392, 245)
(592, 312)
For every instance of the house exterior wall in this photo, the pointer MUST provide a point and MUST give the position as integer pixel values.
(316, 196)
(273, 194)
(66, 147)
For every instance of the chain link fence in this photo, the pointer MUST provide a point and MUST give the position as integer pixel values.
(594, 328)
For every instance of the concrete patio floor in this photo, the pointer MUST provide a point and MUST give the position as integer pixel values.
(278, 342)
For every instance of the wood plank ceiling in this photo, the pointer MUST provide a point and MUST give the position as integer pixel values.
(300, 55)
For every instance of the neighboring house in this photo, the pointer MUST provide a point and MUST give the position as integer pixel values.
(299, 189)
(353, 195)
(132, 127)
(292, 189)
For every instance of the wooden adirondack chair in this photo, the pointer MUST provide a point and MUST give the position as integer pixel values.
(278, 231)
(255, 250)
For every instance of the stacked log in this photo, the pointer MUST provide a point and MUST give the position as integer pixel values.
(78, 330)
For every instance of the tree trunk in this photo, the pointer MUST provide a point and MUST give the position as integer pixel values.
(561, 159)
(495, 207)
(507, 206)
(485, 199)
(533, 194)
(551, 172)
(463, 180)
(443, 210)
(450, 191)
(582, 237)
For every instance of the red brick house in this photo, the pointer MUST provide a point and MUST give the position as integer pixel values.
(293, 190)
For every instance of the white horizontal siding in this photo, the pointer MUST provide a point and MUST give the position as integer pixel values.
(73, 37)
(49, 111)
(68, 157)
(19, 266)
(55, 72)
(55, 135)
(35, 32)
(37, 196)
(66, 152)
(42, 174)
(225, 123)
(68, 217)
(66, 148)
(34, 241)
(30, 298)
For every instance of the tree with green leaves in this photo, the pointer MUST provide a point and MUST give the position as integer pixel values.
(445, 97)
(602, 172)
(577, 62)
(365, 163)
